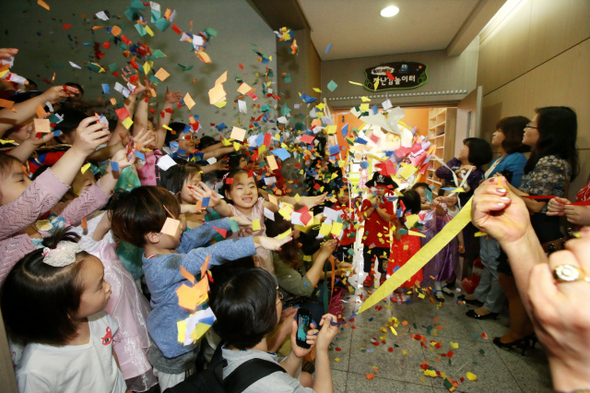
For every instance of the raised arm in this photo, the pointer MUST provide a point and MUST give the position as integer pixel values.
(26, 110)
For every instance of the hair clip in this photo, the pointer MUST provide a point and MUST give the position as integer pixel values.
(62, 255)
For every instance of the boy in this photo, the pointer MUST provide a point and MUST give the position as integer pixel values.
(377, 213)
(138, 217)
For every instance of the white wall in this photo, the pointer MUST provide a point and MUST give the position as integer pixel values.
(42, 42)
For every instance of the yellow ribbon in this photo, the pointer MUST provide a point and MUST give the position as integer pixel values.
(421, 258)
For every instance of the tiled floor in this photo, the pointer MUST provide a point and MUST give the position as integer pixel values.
(398, 361)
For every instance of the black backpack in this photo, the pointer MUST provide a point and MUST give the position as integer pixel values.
(211, 380)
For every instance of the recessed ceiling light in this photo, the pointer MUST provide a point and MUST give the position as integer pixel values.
(390, 11)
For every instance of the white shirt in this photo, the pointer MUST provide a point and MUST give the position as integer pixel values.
(74, 368)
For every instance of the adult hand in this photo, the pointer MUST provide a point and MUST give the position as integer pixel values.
(310, 339)
(556, 206)
(90, 136)
(327, 333)
(497, 211)
(561, 316)
(577, 215)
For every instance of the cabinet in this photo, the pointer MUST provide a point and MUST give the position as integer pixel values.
(441, 133)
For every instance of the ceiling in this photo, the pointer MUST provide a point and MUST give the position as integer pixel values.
(356, 29)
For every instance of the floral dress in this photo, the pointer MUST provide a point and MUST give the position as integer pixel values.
(549, 177)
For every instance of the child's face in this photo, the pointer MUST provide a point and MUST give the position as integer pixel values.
(464, 154)
(96, 291)
(152, 134)
(82, 181)
(188, 145)
(13, 183)
(185, 195)
(343, 196)
(380, 191)
(422, 193)
(450, 200)
(170, 242)
(243, 192)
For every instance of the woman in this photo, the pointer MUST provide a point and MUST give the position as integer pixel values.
(489, 294)
(553, 163)
(555, 300)
(248, 308)
(297, 283)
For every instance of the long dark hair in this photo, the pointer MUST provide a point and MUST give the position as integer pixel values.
(558, 131)
(38, 300)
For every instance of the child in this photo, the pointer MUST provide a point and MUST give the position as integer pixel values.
(244, 201)
(62, 286)
(475, 153)
(404, 244)
(377, 214)
(343, 252)
(138, 217)
(22, 202)
(251, 302)
(445, 265)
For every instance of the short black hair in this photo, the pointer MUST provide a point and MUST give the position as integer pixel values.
(412, 201)
(36, 292)
(76, 85)
(71, 120)
(206, 141)
(418, 185)
(513, 129)
(247, 301)
(480, 151)
(140, 211)
(173, 179)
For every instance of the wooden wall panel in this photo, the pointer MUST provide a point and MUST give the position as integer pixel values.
(502, 53)
(556, 26)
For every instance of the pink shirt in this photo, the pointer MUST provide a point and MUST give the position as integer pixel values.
(41, 196)
(257, 214)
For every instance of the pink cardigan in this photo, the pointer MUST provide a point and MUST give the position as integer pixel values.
(41, 196)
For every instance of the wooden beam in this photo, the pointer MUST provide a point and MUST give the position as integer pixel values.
(281, 13)
(473, 25)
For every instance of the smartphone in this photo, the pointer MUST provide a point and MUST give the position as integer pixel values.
(303, 321)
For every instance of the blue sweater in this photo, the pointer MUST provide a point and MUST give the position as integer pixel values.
(163, 278)
(515, 163)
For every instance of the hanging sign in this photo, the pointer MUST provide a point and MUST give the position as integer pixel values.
(394, 76)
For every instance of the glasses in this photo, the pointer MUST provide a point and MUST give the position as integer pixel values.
(529, 126)
(281, 296)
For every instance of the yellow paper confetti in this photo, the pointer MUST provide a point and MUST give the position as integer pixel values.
(471, 376)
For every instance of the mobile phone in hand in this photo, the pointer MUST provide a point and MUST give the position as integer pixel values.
(303, 322)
